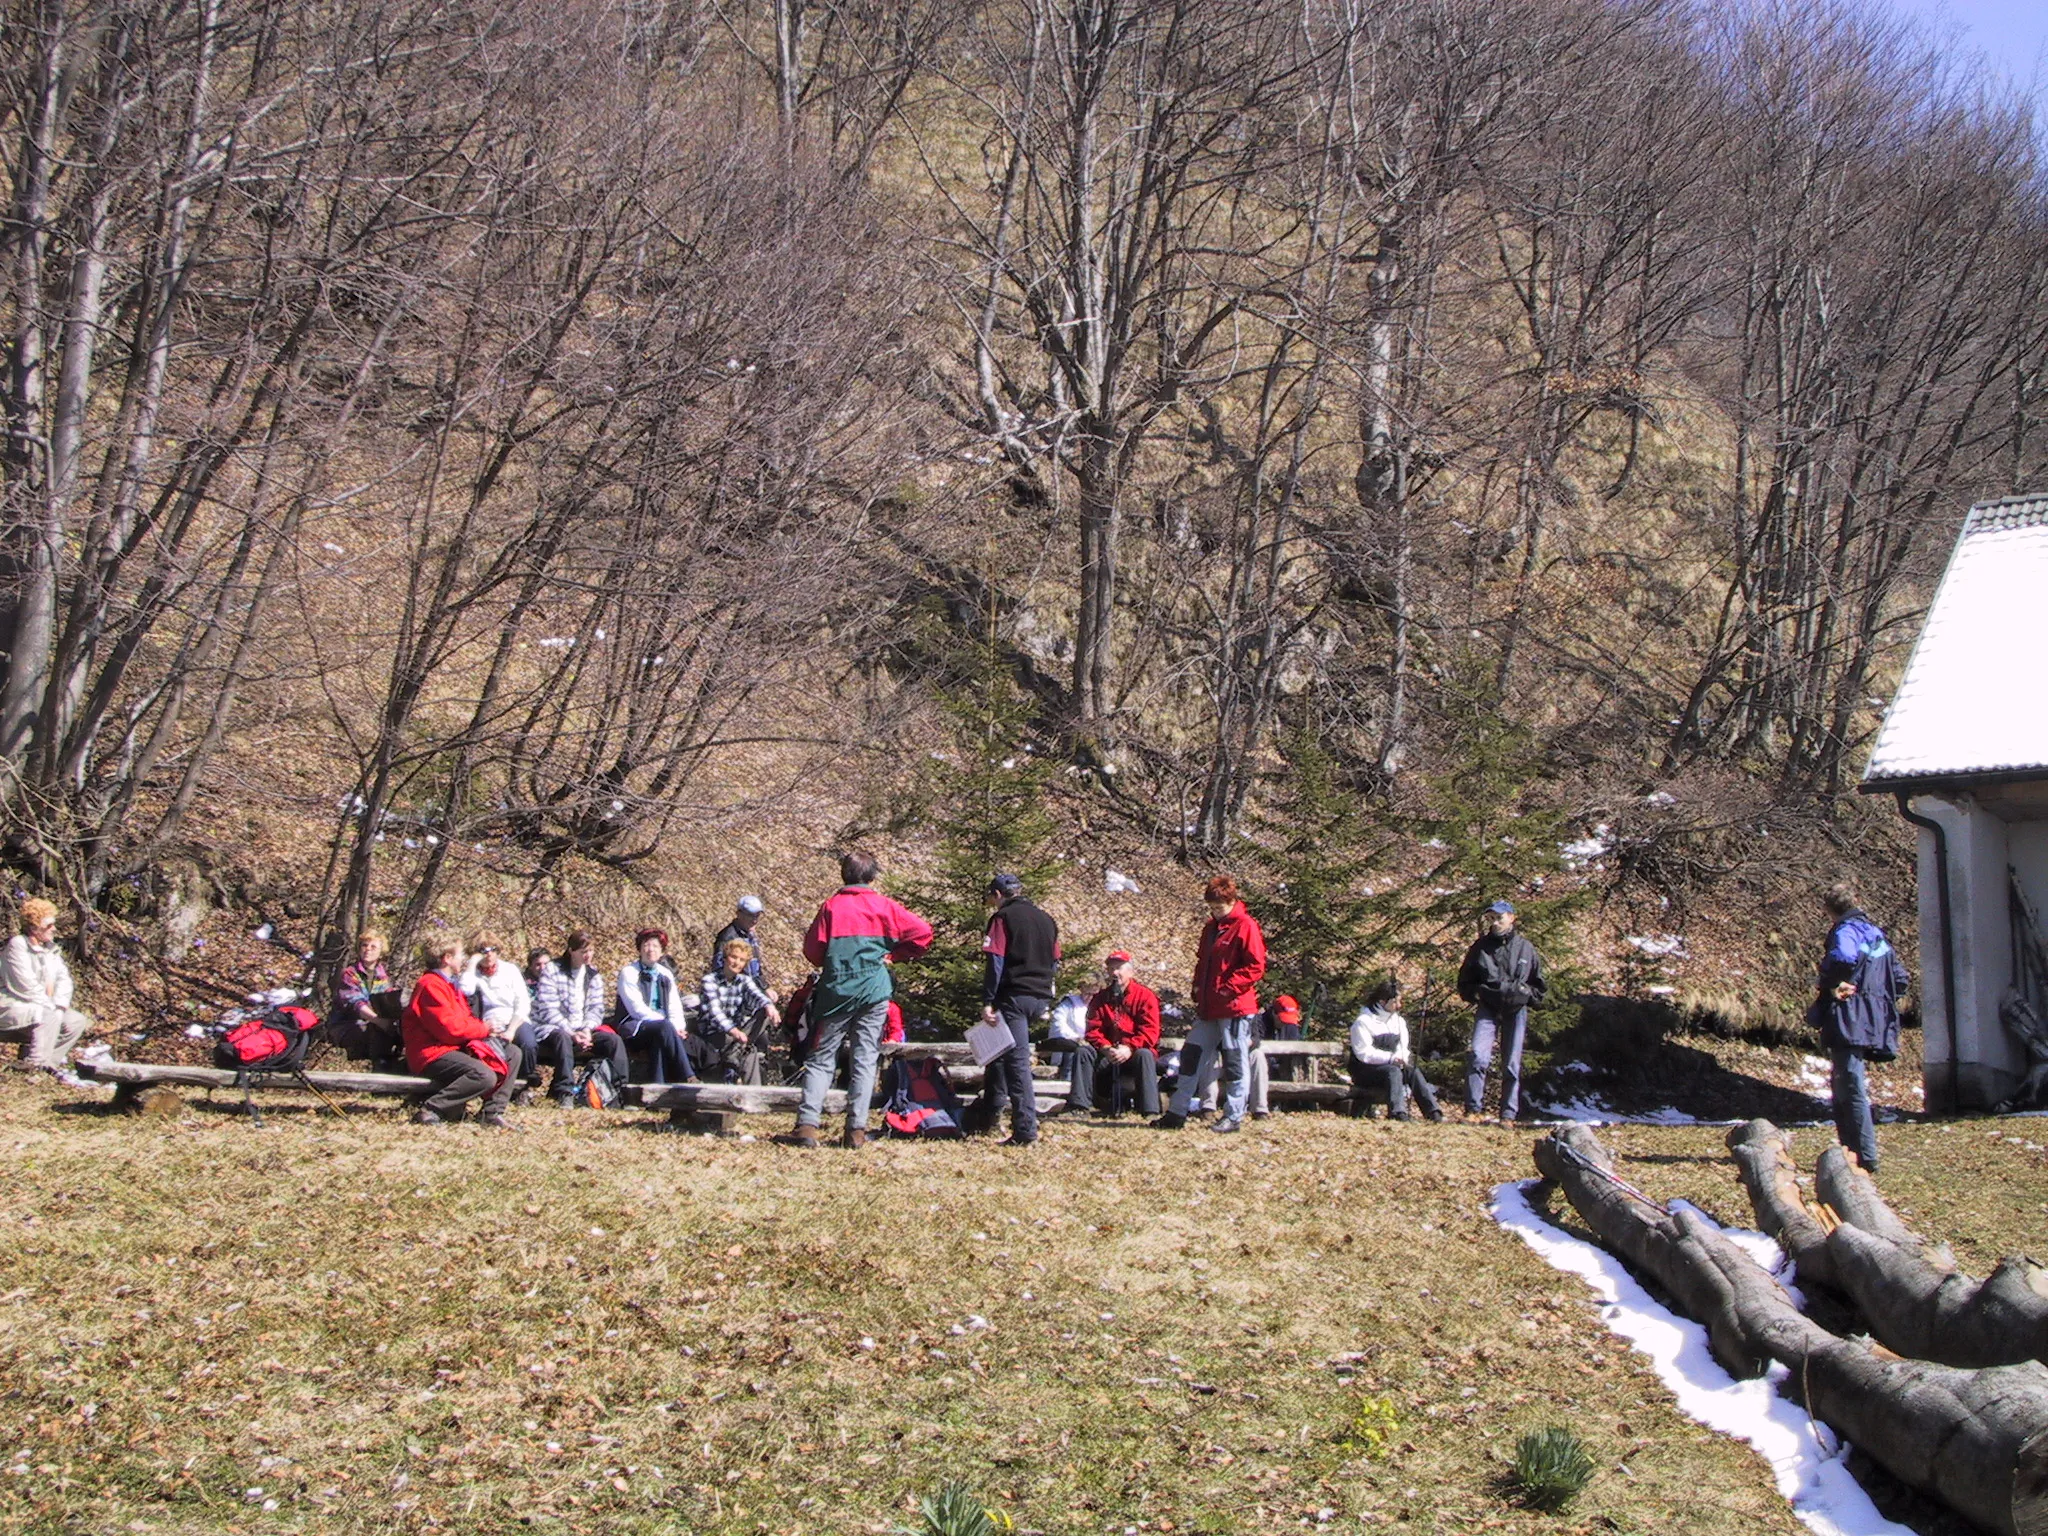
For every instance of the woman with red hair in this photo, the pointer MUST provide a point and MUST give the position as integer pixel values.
(1228, 964)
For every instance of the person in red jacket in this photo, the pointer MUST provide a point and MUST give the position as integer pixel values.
(451, 1047)
(1122, 1038)
(1228, 965)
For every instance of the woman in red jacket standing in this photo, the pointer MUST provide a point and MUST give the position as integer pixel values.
(451, 1047)
(1228, 965)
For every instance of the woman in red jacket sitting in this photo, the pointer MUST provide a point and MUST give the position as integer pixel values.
(451, 1046)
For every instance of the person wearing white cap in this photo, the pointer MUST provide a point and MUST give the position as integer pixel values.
(745, 915)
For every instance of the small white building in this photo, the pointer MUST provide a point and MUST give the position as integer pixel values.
(1964, 750)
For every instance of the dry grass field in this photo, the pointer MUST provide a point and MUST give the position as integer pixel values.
(587, 1325)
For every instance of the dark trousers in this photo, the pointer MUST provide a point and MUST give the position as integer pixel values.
(729, 1060)
(459, 1077)
(1392, 1083)
(1098, 1079)
(668, 1060)
(1850, 1089)
(557, 1049)
(1009, 1075)
(1486, 1030)
(1284, 1069)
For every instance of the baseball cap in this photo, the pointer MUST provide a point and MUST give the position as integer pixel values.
(1505, 907)
(1117, 957)
(1007, 885)
(1286, 1009)
(750, 904)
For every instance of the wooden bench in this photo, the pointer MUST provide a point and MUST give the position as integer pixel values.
(144, 1088)
(715, 1106)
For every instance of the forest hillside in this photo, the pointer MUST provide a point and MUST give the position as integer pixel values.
(492, 461)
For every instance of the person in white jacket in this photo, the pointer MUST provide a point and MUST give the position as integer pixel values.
(1379, 1062)
(35, 993)
(651, 1007)
(498, 994)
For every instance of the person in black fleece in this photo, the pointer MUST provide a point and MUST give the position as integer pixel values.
(1502, 975)
(1020, 954)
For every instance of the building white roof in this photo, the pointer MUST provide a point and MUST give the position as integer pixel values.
(1974, 702)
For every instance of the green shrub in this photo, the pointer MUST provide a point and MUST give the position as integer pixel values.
(1372, 1427)
(1550, 1468)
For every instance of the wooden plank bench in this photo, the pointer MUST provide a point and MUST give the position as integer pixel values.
(146, 1088)
(715, 1106)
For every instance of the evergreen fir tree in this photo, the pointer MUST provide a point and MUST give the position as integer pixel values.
(1310, 905)
(985, 801)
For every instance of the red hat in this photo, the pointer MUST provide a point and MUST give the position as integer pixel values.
(1117, 957)
(1286, 1009)
(650, 933)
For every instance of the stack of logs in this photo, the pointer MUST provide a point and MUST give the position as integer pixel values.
(1950, 1394)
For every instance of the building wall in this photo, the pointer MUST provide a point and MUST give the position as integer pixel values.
(1984, 839)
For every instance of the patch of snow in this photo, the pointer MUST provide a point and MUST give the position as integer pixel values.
(1657, 946)
(332, 548)
(266, 933)
(1584, 851)
(1116, 883)
(556, 642)
(1807, 1460)
(1660, 800)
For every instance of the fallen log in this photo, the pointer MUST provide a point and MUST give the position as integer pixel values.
(1852, 1195)
(1763, 1156)
(138, 1074)
(1977, 1440)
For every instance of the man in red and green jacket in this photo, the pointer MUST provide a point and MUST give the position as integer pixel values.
(857, 934)
(1228, 964)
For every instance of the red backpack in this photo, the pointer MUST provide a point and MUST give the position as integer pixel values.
(273, 1042)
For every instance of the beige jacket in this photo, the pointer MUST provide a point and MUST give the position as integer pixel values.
(34, 976)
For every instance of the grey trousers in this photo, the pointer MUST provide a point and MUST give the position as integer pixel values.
(864, 1029)
(46, 1040)
(459, 1077)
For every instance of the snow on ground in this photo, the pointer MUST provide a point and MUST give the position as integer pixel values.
(1806, 1458)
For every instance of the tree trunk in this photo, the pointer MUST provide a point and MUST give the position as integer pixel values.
(1977, 1440)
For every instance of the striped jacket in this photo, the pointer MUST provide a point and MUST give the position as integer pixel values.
(855, 934)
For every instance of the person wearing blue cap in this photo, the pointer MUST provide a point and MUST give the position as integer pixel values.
(745, 916)
(1502, 975)
(1020, 958)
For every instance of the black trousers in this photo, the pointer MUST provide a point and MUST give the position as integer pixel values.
(1097, 1079)
(557, 1049)
(459, 1077)
(1392, 1085)
(1008, 1080)
(1283, 1069)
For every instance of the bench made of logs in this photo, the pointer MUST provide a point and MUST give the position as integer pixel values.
(134, 1081)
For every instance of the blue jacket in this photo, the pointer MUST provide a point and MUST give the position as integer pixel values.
(1859, 953)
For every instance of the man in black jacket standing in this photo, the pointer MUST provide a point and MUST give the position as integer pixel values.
(1020, 956)
(1502, 975)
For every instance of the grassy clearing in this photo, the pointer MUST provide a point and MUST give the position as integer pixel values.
(589, 1326)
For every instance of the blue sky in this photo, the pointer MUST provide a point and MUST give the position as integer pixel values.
(2010, 35)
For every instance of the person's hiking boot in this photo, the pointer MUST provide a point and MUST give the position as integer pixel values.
(805, 1136)
(1169, 1122)
(565, 1101)
(494, 1120)
(855, 1138)
(1014, 1140)
(1227, 1127)
(426, 1117)
(1262, 1114)
(522, 1097)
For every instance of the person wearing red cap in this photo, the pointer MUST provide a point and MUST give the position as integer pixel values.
(1229, 961)
(1122, 1039)
(1282, 1022)
(651, 1007)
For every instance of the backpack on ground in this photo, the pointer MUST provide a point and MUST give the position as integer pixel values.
(596, 1086)
(920, 1100)
(272, 1042)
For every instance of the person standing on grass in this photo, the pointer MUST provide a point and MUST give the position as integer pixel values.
(745, 918)
(856, 936)
(1020, 952)
(1857, 1013)
(446, 1043)
(35, 994)
(1123, 1036)
(1228, 964)
(1378, 1060)
(569, 1023)
(651, 1007)
(1502, 975)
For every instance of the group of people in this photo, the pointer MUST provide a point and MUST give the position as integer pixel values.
(485, 1030)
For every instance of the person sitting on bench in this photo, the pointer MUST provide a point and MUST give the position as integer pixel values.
(737, 1014)
(570, 1005)
(35, 994)
(366, 1008)
(651, 1008)
(1122, 1042)
(451, 1046)
(1378, 1060)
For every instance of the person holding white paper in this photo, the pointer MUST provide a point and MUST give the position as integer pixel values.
(1021, 956)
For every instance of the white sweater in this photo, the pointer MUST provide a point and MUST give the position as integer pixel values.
(501, 998)
(35, 976)
(1376, 1021)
